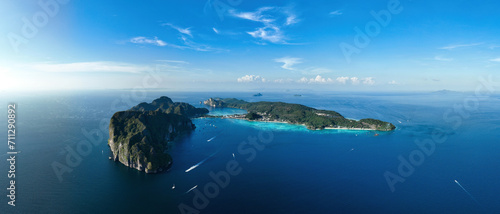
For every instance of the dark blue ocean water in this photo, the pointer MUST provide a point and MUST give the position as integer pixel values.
(291, 170)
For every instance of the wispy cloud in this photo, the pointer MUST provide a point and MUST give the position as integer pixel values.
(185, 31)
(185, 37)
(441, 58)
(316, 70)
(256, 16)
(148, 41)
(336, 13)
(393, 82)
(189, 44)
(494, 46)
(273, 20)
(289, 62)
(101, 66)
(451, 47)
(291, 18)
(173, 61)
(215, 30)
(269, 33)
(495, 60)
(251, 78)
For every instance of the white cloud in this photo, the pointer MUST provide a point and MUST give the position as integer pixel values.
(251, 78)
(90, 67)
(269, 33)
(215, 30)
(320, 79)
(185, 31)
(495, 60)
(441, 58)
(451, 47)
(303, 80)
(144, 40)
(336, 13)
(342, 80)
(354, 80)
(289, 62)
(393, 82)
(256, 16)
(317, 79)
(272, 19)
(291, 19)
(368, 81)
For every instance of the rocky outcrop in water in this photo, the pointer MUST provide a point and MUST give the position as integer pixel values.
(138, 137)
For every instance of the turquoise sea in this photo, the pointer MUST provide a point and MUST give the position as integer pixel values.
(442, 158)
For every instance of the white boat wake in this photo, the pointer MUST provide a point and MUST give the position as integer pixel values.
(193, 167)
(211, 138)
(470, 195)
(191, 189)
(201, 162)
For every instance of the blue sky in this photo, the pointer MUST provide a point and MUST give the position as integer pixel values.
(239, 45)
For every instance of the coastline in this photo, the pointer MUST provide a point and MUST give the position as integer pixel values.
(242, 117)
(290, 113)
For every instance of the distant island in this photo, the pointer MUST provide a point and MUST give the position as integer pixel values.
(257, 95)
(138, 137)
(312, 118)
(447, 92)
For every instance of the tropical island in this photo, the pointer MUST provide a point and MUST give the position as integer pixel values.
(138, 137)
(312, 118)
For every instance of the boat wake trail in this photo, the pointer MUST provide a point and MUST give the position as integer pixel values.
(470, 195)
(211, 138)
(201, 162)
(191, 189)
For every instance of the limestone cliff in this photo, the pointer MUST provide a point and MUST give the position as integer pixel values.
(138, 137)
(216, 103)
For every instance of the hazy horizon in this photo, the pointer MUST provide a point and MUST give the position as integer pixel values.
(248, 45)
